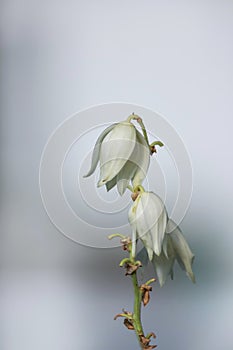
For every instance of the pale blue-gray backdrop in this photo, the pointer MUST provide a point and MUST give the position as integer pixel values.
(58, 57)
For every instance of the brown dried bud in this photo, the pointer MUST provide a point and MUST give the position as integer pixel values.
(145, 341)
(138, 119)
(134, 195)
(128, 324)
(145, 293)
(153, 149)
(125, 243)
(131, 268)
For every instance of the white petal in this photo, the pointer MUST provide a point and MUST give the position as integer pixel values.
(131, 217)
(143, 257)
(168, 249)
(147, 243)
(115, 150)
(171, 226)
(142, 159)
(158, 232)
(146, 239)
(141, 224)
(151, 218)
(96, 150)
(124, 176)
(132, 214)
(137, 163)
(183, 253)
(163, 267)
(110, 184)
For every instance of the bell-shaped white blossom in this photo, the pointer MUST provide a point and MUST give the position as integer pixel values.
(148, 219)
(123, 155)
(182, 251)
(175, 247)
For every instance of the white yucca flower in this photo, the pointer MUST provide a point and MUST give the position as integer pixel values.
(123, 155)
(148, 219)
(174, 240)
(175, 247)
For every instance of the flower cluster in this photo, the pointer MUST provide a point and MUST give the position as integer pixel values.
(124, 155)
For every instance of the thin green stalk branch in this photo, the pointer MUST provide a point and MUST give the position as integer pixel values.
(140, 122)
(157, 143)
(114, 235)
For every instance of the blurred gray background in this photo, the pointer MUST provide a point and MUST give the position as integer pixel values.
(58, 57)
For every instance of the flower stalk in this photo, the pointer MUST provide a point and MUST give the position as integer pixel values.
(140, 122)
(137, 301)
(133, 320)
(137, 308)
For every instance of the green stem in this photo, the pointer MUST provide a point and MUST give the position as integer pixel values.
(137, 304)
(131, 117)
(114, 235)
(137, 307)
(140, 122)
(150, 281)
(139, 188)
(157, 143)
(133, 245)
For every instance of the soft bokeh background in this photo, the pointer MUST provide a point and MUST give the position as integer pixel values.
(58, 57)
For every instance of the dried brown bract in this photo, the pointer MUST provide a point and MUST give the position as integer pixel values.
(153, 150)
(134, 195)
(131, 268)
(145, 341)
(145, 293)
(128, 324)
(126, 243)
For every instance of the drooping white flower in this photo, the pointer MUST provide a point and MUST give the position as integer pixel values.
(123, 155)
(182, 251)
(175, 247)
(148, 219)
